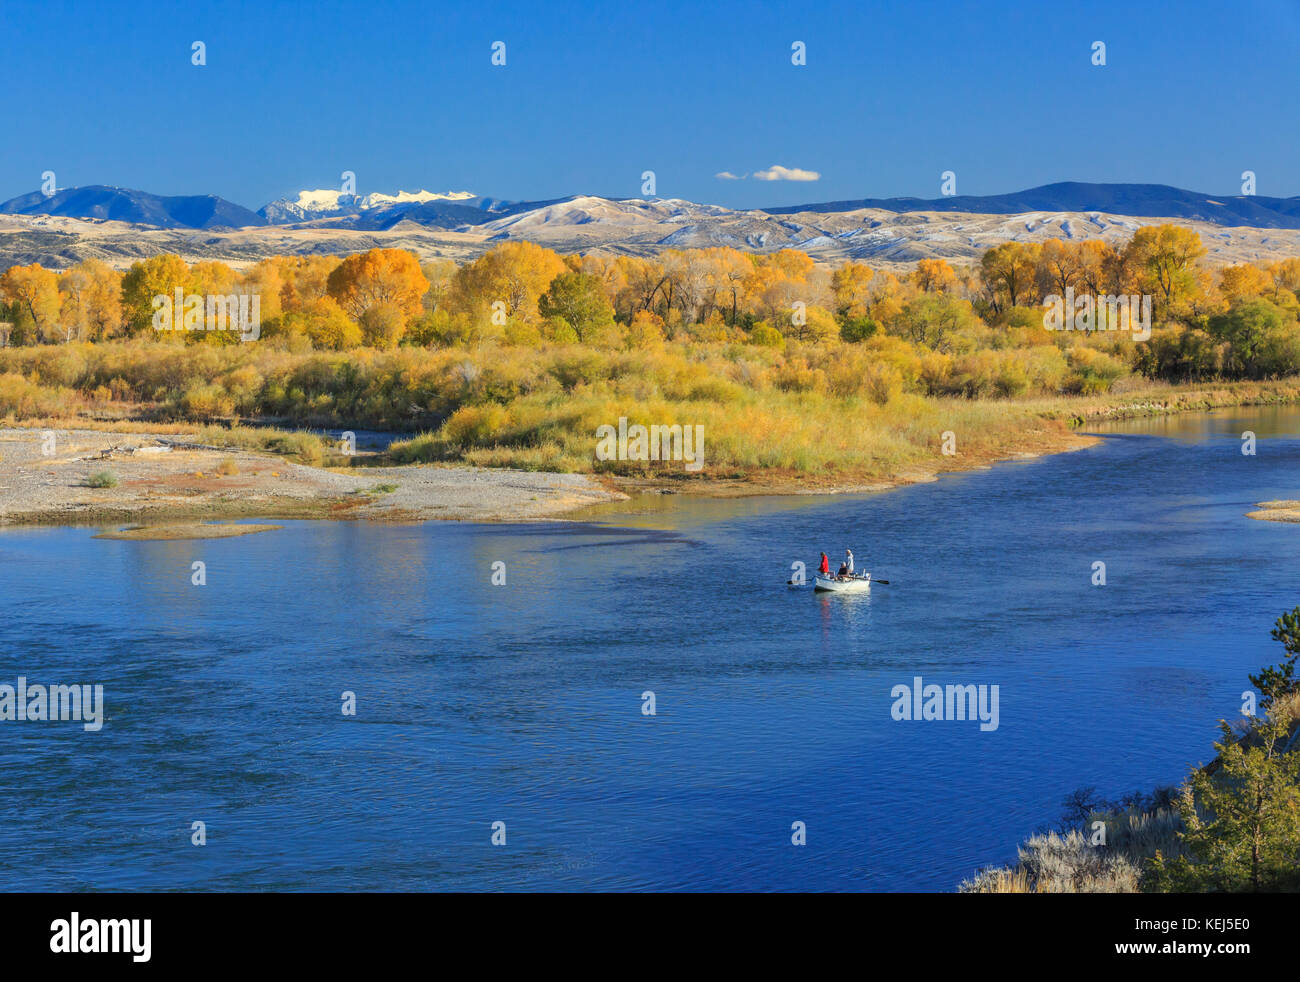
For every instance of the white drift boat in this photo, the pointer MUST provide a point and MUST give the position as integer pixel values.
(843, 584)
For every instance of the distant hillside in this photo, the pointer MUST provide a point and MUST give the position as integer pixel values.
(138, 207)
(1134, 200)
(430, 214)
(121, 226)
(612, 219)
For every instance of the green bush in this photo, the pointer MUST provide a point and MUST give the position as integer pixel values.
(102, 479)
(857, 329)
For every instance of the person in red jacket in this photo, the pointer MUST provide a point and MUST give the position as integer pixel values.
(825, 567)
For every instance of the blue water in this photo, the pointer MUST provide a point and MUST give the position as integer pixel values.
(522, 703)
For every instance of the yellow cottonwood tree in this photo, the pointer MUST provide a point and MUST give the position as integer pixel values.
(934, 276)
(1164, 260)
(381, 278)
(35, 290)
(1243, 282)
(516, 273)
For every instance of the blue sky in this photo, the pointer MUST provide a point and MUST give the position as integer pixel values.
(404, 95)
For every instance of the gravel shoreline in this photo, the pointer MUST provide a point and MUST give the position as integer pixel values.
(45, 478)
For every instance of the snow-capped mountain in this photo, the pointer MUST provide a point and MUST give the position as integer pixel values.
(379, 200)
(310, 206)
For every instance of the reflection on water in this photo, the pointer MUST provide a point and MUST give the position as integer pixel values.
(1263, 421)
(522, 703)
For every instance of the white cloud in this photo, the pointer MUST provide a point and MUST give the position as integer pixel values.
(778, 173)
(726, 175)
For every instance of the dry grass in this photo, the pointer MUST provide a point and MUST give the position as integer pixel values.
(1054, 863)
(829, 413)
(1145, 398)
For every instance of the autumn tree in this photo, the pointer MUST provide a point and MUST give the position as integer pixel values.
(91, 301)
(817, 326)
(934, 276)
(728, 271)
(783, 279)
(514, 273)
(936, 321)
(74, 289)
(1059, 267)
(688, 283)
(851, 288)
(145, 280)
(303, 280)
(382, 325)
(440, 273)
(645, 331)
(1285, 275)
(1095, 265)
(1164, 259)
(325, 324)
(1008, 272)
(381, 278)
(209, 278)
(887, 294)
(796, 265)
(768, 292)
(34, 290)
(1244, 282)
(641, 282)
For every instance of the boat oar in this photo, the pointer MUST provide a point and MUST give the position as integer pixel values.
(793, 583)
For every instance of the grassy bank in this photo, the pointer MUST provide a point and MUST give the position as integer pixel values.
(1140, 399)
(814, 418)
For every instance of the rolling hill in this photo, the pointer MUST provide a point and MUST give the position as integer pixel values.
(120, 226)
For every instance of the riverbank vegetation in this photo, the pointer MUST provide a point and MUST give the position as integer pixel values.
(515, 358)
(1233, 826)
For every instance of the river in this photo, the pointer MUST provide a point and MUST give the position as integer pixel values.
(522, 703)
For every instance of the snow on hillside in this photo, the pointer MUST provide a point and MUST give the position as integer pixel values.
(310, 205)
(322, 200)
(378, 199)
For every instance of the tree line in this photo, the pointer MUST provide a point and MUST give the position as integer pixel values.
(1234, 321)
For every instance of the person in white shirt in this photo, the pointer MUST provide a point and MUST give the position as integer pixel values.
(848, 560)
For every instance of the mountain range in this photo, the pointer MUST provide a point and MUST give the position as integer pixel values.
(454, 209)
(1135, 200)
(138, 207)
(120, 225)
